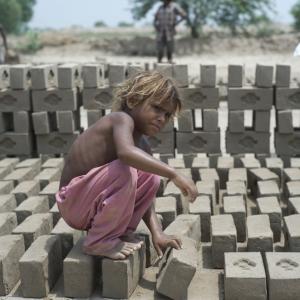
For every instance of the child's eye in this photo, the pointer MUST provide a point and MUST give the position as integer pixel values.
(168, 115)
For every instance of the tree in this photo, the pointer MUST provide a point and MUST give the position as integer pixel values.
(15, 13)
(241, 13)
(295, 11)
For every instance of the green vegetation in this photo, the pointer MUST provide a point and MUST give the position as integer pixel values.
(296, 14)
(32, 43)
(100, 24)
(125, 24)
(233, 14)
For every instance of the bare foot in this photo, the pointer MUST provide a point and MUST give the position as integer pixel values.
(121, 251)
(132, 238)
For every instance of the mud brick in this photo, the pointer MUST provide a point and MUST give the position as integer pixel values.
(20, 175)
(34, 226)
(32, 205)
(166, 207)
(177, 163)
(181, 202)
(7, 203)
(120, 278)
(55, 143)
(55, 214)
(186, 120)
(194, 97)
(260, 235)
(180, 267)
(43, 261)
(202, 207)
(68, 76)
(293, 188)
(236, 75)
(26, 189)
(4, 76)
(151, 254)
(98, 98)
(22, 122)
(65, 121)
(41, 123)
(43, 77)
(79, 273)
(94, 115)
(163, 142)
(69, 236)
(53, 163)
(6, 187)
(236, 188)
(19, 78)
(54, 100)
(211, 175)
(260, 174)
(270, 206)
(245, 276)
(275, 164)
(236, 121)
(292, 232)
(12, 249)
(208, 188)
(185, 172)
(223, 166)
(165, 69)
(285, 121)
(208, 75)
(294, 205)
(295, 162)
(287, 144)
(198, 163)
(283, 75)
(180, 75)
(264, 76)
(250, 98)
(34, 163)
(48, 175)
(92, 75)
(15, 100)
(9, 163)
(287, 98)
(268, 188)
(8, 222)
(262, 120)
(238, 174)
(134, 69)
(291, 174)
(224, 238)
(4, 172)
(185, 226)
(50, 190)
(235, 206)
(210, 119)
(116, 74)
(198, 142)
(248, 142)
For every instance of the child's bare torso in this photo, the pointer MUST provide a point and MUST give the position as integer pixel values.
(93, 148)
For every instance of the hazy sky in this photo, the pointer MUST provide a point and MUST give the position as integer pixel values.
(64, 13)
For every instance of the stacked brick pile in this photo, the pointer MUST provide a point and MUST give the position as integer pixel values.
(16, 136)
(258, 99)
(56, 102)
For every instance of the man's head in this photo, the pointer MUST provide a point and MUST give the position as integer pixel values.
(150, 87)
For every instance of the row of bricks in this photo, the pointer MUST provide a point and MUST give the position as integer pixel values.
(67, 76)
(80, 271)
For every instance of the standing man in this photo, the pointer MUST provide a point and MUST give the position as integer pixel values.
(165, 22)
(3, 45)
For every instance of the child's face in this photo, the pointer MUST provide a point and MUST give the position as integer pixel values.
(150, 117)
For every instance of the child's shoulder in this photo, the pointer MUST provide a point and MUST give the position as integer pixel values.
(120, 116)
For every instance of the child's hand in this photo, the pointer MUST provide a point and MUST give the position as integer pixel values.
(161, 241)
(187, 187)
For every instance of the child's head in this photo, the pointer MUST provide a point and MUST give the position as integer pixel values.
(147, 86)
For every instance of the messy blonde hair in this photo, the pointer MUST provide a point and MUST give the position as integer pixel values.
(152, 86)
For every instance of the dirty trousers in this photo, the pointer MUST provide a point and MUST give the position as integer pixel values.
(108, 202)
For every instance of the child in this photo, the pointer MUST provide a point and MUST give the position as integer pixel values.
(110, 179)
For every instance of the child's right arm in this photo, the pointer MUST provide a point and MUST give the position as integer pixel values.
(123, 130)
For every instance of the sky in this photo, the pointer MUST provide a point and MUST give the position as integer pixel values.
(65, 13)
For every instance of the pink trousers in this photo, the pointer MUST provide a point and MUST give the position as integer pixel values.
(108, 202)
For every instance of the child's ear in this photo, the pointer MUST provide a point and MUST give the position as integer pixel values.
(129, 104)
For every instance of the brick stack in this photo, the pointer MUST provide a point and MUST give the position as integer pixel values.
(193, 137)
(15, 107)
(257, 98)
(56, 103)
(287, 99)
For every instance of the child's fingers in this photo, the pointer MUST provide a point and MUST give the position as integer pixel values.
(159, 251)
